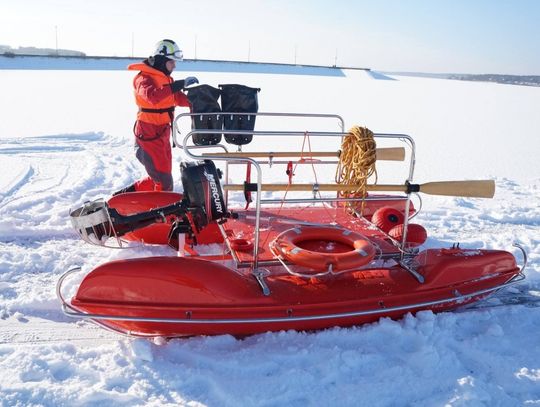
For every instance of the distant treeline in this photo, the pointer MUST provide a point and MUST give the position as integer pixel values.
(527, 80)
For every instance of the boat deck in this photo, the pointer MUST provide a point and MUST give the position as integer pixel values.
(273, 222)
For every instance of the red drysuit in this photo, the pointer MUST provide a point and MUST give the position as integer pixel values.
(156, 102)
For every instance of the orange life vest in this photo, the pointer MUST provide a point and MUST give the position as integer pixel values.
(157, 112)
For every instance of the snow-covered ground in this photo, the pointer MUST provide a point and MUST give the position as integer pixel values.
(65, 138)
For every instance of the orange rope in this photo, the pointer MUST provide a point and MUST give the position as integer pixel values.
(356, 162)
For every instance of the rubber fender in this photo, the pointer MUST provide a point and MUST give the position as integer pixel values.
(416, 234)
(386, 218)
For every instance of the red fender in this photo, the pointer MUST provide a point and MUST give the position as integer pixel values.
(386, 218)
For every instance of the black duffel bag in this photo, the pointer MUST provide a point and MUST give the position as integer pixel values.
(239, 99)
(204, 99)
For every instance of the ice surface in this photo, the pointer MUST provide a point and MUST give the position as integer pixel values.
(65, 138)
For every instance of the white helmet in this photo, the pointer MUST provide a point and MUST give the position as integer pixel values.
(169, 49)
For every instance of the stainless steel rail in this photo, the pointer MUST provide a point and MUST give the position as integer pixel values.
(176, 128)
(70, 311)
(256, 133)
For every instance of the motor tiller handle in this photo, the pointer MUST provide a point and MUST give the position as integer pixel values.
(128, 223)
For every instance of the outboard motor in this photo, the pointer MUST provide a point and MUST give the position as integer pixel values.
(202, 203)
(96, 222)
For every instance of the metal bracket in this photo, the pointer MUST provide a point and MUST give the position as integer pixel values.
(412, 271)
(315, 190)
(259, 276)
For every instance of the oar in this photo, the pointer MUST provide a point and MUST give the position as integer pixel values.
(386, 154)
(473, 189)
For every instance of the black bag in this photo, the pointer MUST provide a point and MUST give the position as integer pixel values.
(204, 99)
(241, 99)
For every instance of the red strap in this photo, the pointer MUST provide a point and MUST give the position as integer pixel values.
(289, 171)
(247, 194)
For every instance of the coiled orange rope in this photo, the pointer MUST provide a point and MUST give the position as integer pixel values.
(356, 162)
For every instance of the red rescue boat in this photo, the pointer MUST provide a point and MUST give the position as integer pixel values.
(303, 264)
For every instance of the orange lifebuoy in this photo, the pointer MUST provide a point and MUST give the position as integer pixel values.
(343, 250)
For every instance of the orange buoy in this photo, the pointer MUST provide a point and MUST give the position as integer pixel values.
(386, 218)
(416, 234)
(324, 248)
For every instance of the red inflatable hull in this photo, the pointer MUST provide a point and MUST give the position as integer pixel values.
(200, 297)
(212, 294)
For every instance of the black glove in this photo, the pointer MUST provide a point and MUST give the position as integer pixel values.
(177, 86)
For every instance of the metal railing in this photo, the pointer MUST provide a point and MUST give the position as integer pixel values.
(189, 150)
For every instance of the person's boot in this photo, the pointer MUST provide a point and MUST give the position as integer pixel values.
(130, 188)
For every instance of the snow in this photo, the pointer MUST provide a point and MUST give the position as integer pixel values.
(65, 138)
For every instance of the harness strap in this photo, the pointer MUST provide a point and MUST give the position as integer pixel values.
(149, 110)
(169, 110)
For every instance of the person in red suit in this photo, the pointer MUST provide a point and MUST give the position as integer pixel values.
(156, 95)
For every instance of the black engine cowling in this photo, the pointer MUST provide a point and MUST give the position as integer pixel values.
(202, 190)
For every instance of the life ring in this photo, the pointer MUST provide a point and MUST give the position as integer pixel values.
(291, 245)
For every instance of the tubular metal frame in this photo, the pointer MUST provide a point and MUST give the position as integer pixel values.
(256, 163)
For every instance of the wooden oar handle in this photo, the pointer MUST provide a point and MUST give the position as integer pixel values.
(386, 154)
(473, 189)
(311, 187)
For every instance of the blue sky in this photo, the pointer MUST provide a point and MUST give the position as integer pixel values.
(474, 36)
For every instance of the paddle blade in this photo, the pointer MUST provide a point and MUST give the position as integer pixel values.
(472, 189)
(391, 154)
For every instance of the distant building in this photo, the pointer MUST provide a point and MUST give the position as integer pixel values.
(7, 50)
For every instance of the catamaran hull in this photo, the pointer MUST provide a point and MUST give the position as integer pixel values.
(172, 297)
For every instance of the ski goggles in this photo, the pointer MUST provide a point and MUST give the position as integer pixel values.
(176, 55)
